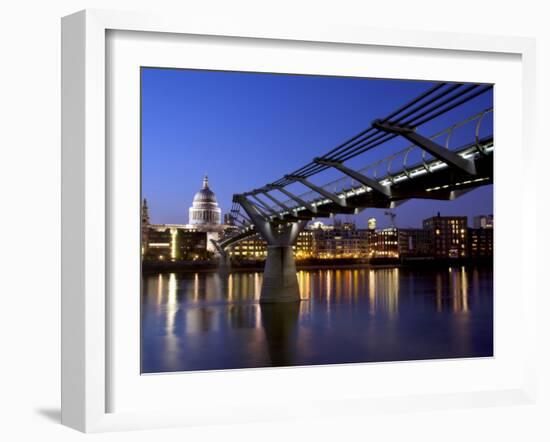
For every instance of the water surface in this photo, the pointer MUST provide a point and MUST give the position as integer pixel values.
(206, 321)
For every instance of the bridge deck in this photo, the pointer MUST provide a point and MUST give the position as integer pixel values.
(431, 180)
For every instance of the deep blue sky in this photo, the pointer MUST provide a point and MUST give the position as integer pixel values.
(248, 129)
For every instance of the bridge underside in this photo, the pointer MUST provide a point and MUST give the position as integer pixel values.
(441, 184)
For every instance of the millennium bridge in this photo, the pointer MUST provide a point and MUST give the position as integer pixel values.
(430, 166)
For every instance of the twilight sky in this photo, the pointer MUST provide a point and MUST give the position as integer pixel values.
(249, 129)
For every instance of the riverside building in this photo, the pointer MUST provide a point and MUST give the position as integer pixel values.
(191, 241)
(449, 235)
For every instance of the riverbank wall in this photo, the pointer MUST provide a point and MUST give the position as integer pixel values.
(313, 264)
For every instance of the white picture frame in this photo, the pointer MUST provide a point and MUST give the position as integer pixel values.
(85, 209)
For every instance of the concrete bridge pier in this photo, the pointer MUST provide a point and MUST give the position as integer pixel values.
(224, 262)
(224, 258)
(280, 283)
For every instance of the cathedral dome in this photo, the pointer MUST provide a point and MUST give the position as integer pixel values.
(205, 209)
(205, 195)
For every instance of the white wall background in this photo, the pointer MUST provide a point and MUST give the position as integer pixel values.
(30, 216)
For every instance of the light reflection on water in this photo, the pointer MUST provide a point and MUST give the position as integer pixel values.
(197, 321)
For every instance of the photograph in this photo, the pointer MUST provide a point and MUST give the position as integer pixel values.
(275, 220)
(301, 220)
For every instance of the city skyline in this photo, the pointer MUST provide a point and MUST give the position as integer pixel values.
(196, 122)
(383, 213)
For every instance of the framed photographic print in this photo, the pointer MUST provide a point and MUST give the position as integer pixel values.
(265, 222)
(325, 264)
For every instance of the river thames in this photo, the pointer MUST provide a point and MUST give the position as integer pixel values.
(205, 321)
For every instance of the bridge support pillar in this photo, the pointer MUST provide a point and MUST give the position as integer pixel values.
(280, 283)
(224, 262)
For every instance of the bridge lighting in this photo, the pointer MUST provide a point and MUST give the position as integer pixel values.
(438, 166)
(419, 172)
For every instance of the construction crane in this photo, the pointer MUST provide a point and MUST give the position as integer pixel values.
(392, 216)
